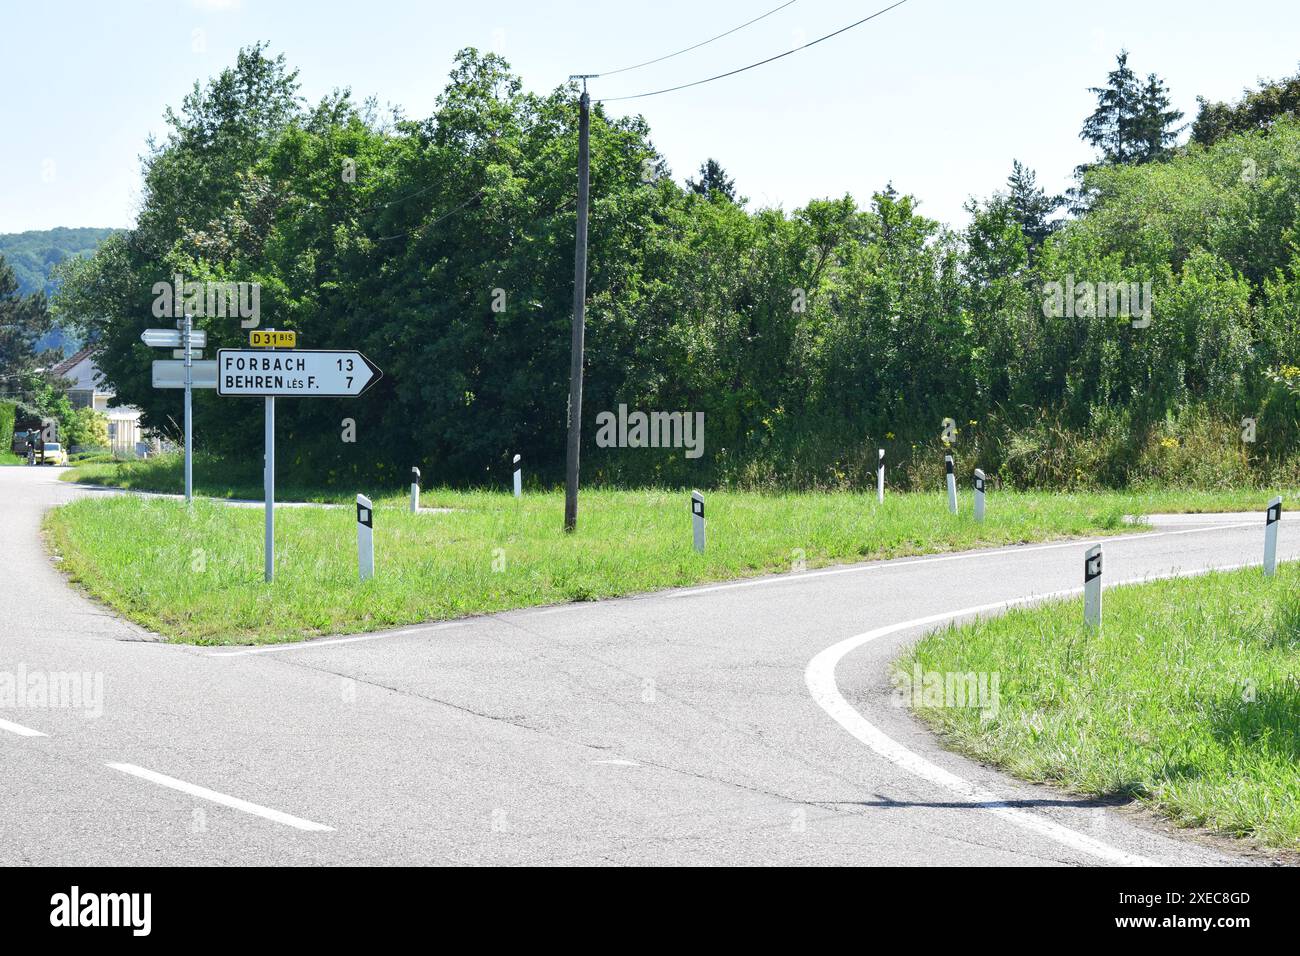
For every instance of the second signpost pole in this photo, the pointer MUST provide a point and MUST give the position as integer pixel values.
(269, 489)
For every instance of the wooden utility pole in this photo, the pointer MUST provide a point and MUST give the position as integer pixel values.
(579, 315)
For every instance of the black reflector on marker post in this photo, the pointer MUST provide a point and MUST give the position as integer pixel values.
(415, 489)
(952, 483)
(697, 519)
(1271, 520)
(1092, 587)
(519, 477)
(979, 495)
(365, 537)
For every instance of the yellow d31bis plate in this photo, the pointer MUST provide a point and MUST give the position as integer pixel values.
(272, 339)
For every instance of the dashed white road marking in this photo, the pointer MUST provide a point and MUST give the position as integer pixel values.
(19, 729)
(618, 763)
(820, 678)
(224, 799)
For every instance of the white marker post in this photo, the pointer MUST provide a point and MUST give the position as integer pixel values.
(880, 476)
(1092, 587)
(1271, 521)
(952, 483)
(415, 489)
(365, 537)
(519, 478)
(979, 495)
(697, 519)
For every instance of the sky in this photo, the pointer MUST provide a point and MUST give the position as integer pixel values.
(937, 96)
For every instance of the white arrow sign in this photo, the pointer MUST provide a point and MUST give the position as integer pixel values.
(171, 338)
(303, 373)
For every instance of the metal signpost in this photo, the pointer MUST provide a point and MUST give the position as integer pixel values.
(183, 371)
(187, 344)
(268, 487)
(269, 372)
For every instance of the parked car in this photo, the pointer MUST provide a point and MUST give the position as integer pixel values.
(54, 454)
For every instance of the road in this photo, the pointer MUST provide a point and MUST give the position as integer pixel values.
(744, 723)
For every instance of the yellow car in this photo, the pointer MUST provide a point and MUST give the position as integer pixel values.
(54, 454)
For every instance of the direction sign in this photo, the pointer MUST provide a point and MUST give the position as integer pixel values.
(309, 373)
(170, 373)
(171, 338)
(272, 339)
(180, 353)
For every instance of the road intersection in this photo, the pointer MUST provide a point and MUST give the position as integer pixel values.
(717, 724)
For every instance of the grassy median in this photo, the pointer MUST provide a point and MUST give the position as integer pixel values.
(1188, 700)
(197, 575)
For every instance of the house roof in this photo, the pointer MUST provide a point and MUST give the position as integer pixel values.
(72, 361)
(80, 368)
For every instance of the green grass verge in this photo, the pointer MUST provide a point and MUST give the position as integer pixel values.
(9, 458)
(1189, 699)
(198, 576)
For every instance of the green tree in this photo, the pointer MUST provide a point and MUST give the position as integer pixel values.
(1256, 110)
(1156, 128)
(85, 428)
(23, 321)
(713, 181)
(1030, 206)
(1114, 126)
(1133, 121)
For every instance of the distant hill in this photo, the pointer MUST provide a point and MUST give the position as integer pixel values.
(33, 256)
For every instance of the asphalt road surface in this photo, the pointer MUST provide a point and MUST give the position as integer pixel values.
(744, 723)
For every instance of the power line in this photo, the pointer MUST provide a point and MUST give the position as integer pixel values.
(720, 76)
(455, 209)
(637, 66)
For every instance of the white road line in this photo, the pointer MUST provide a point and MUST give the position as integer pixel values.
(226, 801)
(887, 565)
(820, 678)
(19, 729)
(328, 642)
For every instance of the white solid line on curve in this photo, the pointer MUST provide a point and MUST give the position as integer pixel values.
(19, 729)
(820, 678)
(890, 564)
(328, 642)
(226, 801)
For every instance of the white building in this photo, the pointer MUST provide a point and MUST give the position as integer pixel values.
(88, 391)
